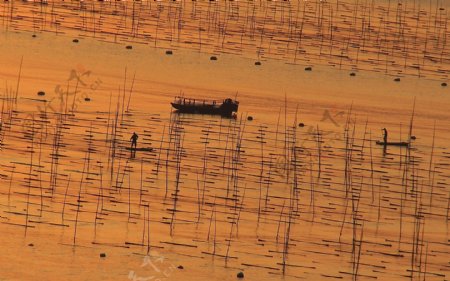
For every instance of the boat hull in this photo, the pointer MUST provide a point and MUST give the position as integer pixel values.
(202, 109)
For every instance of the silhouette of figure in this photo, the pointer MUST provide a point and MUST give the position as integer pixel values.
(385, 135)
(133, 140)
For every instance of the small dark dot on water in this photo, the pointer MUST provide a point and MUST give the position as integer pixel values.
(129, 47)
(41, 93)
(309, 68)
(258, 63)
(397, 79)
(352, 74)
(250, 118)
(31, 244)
(444, 84)
(180, 267)
(87, 99)
(213, 58)
(169, 52)
(301, 125)
(34, 35)
(103, 255)
(240, 275)
(75, 41)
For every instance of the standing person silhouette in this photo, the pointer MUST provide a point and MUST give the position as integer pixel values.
(133, 140)
(385, 135)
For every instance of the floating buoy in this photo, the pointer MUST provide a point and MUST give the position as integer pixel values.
(41, 93)
(102, 255)
(444, 84)
(75, 41)
(250, 118)
(169, 52)
(129, 47)
(301, 125)
(240, 275)
(397, 79)
(258, 63)
(213, 58)
(309, 68)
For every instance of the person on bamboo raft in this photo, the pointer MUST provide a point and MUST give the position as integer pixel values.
(133, 140)
(385, 135)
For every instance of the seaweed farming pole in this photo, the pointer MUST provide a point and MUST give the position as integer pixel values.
(261, 136)
(417, 224)
(371, 166)
(241, 207)
(89, 150)
(405, 176)
(129, 196)
(286, 143)
(199, 205)
(79, 200)
(172, 120)
(355, 200)
(292, 195)
(233, 222)
(205, 159)
(29, 175)
(148, 228)
(287, 233)
(18, 80)
(236, 159)
(279, 222)
(55, 153)
(141, 180)
(347, 167)
(10, 184)
(179, 139)
(294, 163)
(158, 162)
(311, 179)
(319, 150)
(109, 119)
(131, 89)
(112, 148)
(40, 172)
(64, 202)
(300, 37)
(99, 199)
(268, 182)
(431, 169)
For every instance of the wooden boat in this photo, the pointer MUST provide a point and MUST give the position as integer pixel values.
(224, 108)
(401, 143)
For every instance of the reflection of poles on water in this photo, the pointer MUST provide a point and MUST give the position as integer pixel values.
(203, 167)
